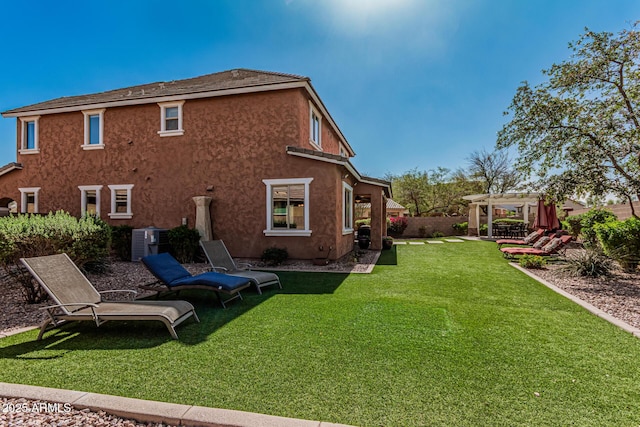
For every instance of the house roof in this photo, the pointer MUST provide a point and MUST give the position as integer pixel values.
(210, 85)
(231, 79)
(10, 167)
(391, 204)
(339, 160)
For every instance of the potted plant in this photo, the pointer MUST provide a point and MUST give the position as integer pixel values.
(387, 242)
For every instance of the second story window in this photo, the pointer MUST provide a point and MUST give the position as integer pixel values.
(171, 119)
(315, 129)
(93, 129)
(29, 139)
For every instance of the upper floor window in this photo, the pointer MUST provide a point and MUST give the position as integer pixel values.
(90, 199)
(29, 135)
(287, 207)
(29, 199)
(171, 118)
(121, 201)
(315, 128)
(93, 129)
(347, 208)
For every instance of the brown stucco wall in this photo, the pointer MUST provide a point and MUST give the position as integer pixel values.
(230, 144)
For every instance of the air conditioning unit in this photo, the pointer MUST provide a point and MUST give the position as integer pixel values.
(148, 241)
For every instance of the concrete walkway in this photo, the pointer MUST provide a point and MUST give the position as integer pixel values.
(155, 412)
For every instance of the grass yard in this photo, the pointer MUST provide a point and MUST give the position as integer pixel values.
(451, 335)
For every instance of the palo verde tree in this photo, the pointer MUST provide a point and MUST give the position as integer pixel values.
(579, 130)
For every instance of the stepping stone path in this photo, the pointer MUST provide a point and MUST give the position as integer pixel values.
(454, 240)
(433, 242)
(416, 243)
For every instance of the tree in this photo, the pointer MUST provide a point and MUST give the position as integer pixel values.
(494, 170)
(579, 130)
(436, 191)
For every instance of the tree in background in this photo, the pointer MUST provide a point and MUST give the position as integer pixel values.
(438, 191)
(579, 131)
(494, 170)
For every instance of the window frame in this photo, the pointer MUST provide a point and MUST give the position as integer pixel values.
(314, 112)
(24, 121)
(87, 129)
(163, 119)
(83, 198)
(120, 215)
(24, 192)
(347, 218)
(273, 231)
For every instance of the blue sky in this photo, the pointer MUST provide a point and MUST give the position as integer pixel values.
(411, 83)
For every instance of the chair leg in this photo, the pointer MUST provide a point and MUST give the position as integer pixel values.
(43, 328)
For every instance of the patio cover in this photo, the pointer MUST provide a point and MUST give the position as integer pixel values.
(490, 200)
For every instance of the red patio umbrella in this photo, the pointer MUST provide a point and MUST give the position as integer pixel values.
(546, 216)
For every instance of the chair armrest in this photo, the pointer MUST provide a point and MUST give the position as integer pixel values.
(244, 266)
(216, 268)
(74, 304)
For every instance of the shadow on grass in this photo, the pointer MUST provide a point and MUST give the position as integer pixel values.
(115, 335)
(389, 257)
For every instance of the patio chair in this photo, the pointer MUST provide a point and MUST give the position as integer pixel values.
(221, 261)
(76, 298)
(555, 246)
(528, 240)
(173, 277)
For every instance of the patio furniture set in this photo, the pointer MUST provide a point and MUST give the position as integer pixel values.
(77, 299)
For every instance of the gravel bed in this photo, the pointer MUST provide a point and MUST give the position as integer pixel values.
(32, 413)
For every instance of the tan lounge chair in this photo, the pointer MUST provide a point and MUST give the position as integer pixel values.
(221, 261)
(76, 298)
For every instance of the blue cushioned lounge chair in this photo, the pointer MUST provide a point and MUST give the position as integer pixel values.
(173, 277)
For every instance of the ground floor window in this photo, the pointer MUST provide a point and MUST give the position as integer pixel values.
(121, 201)
(287, 207)
(347, 208)
(90, 199)
(29, 199)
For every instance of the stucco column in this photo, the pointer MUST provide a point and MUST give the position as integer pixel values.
(203, 218)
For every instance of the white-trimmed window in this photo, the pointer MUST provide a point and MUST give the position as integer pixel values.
(121, 201)
(315, 126)
(29, 135)
(347, 208)
(287, 207)
(90, 199)
(29, 199)
(93, 129)
(171, 118)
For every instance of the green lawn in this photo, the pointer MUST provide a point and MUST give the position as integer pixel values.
(451, 335)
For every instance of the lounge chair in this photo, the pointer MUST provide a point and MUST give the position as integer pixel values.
(554, 246)
(221, 261)
(528, 240)
(76, 298)
(173, 277)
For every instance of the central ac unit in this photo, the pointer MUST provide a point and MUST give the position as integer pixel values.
(148, 241)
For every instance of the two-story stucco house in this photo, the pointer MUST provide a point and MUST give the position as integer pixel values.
(258, 150)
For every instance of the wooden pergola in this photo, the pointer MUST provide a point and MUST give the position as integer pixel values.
(525, 200)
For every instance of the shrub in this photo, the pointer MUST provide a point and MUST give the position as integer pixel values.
(620, 240)
(360, 222)
(437, 234)
(274, 255)
(461, 227)
(573, 224)
(588, 221)
(387, 242)
(588, 263)
(422, 231)
(507, 221)
(532, 261)
(85, 240)
(121, 241)
(484, 228)
(183, 243)
(397, 225)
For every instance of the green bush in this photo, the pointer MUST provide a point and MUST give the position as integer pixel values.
(461, 228)
(588, 263)
(437, 234)
(484, 229)
(532, 261)
(183, 243)
(360, 222)
(274, 255)
(85, 240)
(620, 240)
(121, 241)
(507, 221)
(573, 224)
(589, 220)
